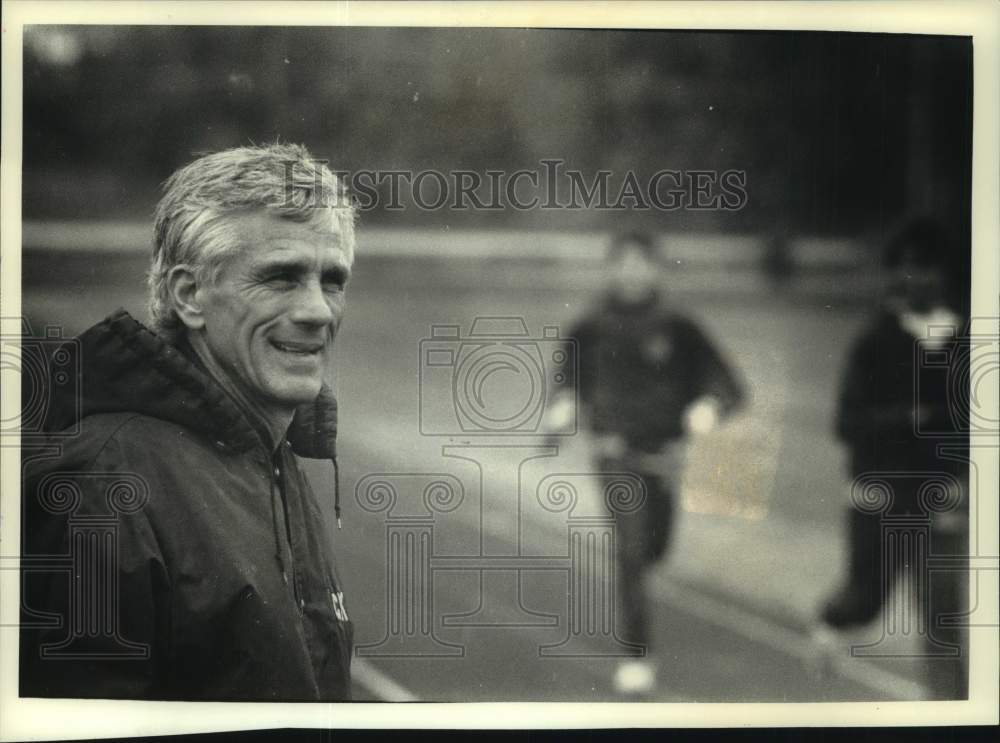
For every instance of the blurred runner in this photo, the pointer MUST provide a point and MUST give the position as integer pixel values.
(896, 417)
(648, 376)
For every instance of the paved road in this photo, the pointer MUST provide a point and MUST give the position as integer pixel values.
(487, 633)
(758, 544)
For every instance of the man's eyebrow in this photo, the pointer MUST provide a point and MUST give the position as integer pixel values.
(338, 270)
(281, 264)
(339, 273)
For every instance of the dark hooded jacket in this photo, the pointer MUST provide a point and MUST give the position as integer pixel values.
(887, 374)
(641, 364)
(169, 550)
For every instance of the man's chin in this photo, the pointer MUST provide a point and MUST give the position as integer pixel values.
(292, 396)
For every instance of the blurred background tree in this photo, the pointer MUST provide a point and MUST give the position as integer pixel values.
(839, 134)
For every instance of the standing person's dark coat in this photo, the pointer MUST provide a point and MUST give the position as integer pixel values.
(220, 576)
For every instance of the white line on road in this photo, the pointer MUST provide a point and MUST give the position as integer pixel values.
(381, 686)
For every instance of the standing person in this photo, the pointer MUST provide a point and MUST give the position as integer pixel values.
(898, 423)
(218, 582)
(648, 377)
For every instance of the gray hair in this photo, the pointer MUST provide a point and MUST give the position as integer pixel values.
(189, 227)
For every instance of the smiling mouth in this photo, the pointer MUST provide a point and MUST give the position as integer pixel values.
(299, 348)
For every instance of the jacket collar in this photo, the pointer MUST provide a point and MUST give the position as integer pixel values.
(125, 367)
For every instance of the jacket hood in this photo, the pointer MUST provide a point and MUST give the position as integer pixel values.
(125, 367)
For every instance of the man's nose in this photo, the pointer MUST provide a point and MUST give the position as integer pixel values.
(312, 306)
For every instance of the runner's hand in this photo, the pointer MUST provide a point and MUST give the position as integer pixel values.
(702, 415)
(559, 416)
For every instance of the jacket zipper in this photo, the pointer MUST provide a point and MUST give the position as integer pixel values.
(276, 475)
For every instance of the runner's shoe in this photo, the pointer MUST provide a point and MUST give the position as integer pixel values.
(635, 677)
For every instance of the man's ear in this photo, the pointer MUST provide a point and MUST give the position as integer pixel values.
(182, 285)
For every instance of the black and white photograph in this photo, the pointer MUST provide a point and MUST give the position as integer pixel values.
(635, 365)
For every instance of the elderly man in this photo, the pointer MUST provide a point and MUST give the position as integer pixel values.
(217, 580)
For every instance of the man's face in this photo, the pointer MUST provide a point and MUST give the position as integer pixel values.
(272, 314)
(920, 287)
(635, 275)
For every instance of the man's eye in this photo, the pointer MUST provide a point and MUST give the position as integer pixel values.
(334, 282)
(281, 280)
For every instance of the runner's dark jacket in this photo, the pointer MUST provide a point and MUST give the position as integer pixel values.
(887, 375)
(641, 364)
(217, 580)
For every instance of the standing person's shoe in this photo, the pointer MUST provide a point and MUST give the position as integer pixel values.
(635, 677)
(843, 612)
(847, 609)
